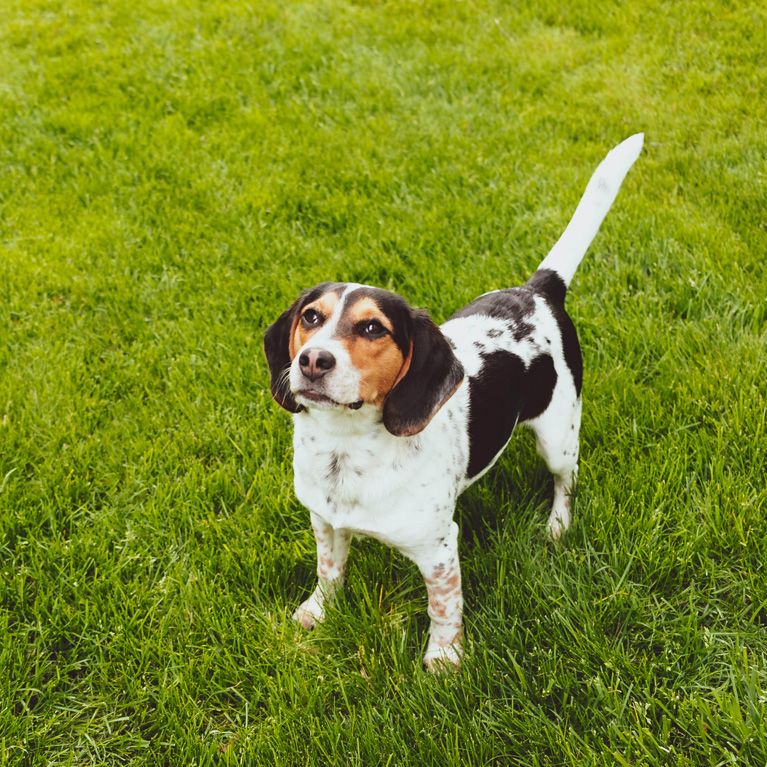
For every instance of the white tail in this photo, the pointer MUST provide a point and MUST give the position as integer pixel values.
(601, 190)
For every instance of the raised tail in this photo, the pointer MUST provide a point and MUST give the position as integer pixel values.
(601, 190)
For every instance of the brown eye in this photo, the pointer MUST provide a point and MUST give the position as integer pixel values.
(372, 329)
(311, 318)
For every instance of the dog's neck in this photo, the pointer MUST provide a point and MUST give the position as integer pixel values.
(363, 422)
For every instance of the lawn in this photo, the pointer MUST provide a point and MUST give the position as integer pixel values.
(172, 174)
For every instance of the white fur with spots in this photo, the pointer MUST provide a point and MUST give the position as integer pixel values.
(356, 478)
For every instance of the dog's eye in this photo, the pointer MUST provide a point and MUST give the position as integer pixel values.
(372, 329)
(311, 318)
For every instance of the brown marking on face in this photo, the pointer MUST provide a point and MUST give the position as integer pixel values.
(325, 305)
(379, 360)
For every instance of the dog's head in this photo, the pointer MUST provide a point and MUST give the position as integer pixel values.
(342, 346)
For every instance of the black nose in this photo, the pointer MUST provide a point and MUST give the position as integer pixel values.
(315, 363)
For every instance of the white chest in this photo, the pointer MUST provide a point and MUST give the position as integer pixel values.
(372, 483)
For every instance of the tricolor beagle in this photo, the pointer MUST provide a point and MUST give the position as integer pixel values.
(394, 417)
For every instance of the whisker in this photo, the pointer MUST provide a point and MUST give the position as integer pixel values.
(282, 385)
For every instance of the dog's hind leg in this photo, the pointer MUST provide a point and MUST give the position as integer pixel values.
(332, 553)
(556, 432)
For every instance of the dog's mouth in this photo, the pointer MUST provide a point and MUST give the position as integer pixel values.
(322, 399)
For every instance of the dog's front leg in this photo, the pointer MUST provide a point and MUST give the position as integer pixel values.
(441, 572)
(332, 552)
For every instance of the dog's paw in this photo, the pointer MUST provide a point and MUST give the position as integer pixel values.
(309, 614)
(440, 660)
(557, 524)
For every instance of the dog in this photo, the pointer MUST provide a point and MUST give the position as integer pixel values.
(394, 416)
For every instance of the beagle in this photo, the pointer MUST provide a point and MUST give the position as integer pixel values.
(394, 417)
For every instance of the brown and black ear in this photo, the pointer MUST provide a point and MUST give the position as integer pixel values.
(277, 349)
(433, 375)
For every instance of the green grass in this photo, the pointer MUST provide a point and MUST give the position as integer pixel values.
(171, 175)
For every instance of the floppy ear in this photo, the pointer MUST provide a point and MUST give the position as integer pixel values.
(277, 349)
(433, 373)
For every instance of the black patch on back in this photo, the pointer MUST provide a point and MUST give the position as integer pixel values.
(511, 304)
(502, 394)
(549, 284)
(521, 330)
(515, 305)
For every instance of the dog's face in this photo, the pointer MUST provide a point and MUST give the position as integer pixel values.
(342, 346)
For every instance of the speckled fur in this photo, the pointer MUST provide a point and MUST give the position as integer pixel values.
(356, 477)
